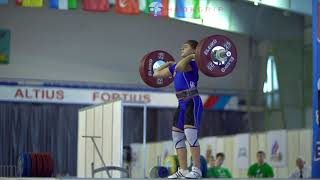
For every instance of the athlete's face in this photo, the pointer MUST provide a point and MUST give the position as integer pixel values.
(186, 50)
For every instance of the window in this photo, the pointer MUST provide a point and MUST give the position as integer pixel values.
(271, 84)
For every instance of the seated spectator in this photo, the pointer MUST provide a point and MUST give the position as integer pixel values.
(218, 171)
(211, 162)
(302, 171)
(261, 169)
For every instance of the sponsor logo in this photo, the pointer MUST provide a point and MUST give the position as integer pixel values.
(317, 151)
(156, 8)
(242, 153)
(192, 84)
(150, 67)
(227, 65)
(210, 46)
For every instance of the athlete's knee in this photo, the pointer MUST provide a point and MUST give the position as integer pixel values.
(192, 136)
(179, 138)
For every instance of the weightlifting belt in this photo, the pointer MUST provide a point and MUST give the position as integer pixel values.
(186, 93)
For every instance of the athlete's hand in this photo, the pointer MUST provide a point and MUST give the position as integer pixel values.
(171, 62)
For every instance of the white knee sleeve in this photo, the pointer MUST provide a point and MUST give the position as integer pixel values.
(179, 139)
(192, 136)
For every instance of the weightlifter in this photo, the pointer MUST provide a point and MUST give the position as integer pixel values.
(187, 119)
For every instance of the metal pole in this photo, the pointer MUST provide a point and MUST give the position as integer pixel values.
(95, 145)
(121, 134)
(145, 139)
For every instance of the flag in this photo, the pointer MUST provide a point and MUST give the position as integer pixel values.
(4, 46)
(19, 2)
(188, 9)
(157, 7)
(127, 6)
(3, 2)
(96, 5)
(63, 4)
(29, 3)
(275, 148)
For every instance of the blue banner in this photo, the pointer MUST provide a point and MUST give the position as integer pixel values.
(54, 4)
(316, 92)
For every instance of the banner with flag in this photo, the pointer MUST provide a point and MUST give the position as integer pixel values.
(4, 46)
(157, 7)
(2, 2)
(316, 89)
(63, 4)
(277, 148)
(128, 6)
(242, 151)
(29, 3)
(188, 9)
(221, 102)
(96, 5)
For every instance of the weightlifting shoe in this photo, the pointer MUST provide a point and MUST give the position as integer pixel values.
(180, 174)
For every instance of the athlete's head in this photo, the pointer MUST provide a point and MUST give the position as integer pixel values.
(189, 47)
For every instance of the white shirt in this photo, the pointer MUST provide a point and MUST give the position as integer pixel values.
(306, 173)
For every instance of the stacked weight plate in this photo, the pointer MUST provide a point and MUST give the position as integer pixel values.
(35, 165)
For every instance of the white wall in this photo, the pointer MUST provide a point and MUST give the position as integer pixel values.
(101, 47)
(104, 122)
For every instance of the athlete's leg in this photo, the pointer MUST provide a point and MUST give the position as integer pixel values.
(193, 114)
(179, 139)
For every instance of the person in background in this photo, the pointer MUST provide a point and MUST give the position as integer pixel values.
(302, 171)
(261, 169)
(211, 162)
(218, 171)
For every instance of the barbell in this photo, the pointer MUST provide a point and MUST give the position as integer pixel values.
(216, 56)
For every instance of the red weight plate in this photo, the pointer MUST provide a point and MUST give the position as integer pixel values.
(208, 64)
(39, 165)
(34, 165)
(51, 164)
(146, 68)
(42, 168)
(46, 165)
